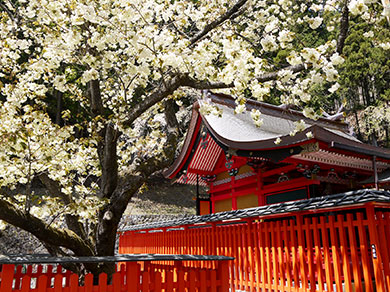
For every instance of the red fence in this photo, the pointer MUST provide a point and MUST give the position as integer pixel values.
(339, 249)
(131, 277)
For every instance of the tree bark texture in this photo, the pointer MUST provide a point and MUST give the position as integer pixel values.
(344, 25)
(108, 159)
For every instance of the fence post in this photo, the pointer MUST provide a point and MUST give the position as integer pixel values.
(223, 271)
(132, 276)
(7, 277)
(375, 249)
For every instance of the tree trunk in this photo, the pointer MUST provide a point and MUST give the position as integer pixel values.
(360, 136)
(344, 25)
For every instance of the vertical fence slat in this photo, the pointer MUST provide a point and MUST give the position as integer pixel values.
(240, 257)
(335, 254)
(50, 275)
(233, 254)
(157, 282)
(318, 255)
(223, 268)
(145, 281)
(116, 282)
(355, 257)
(39, 270)
(230, 254)
(202, 244)
(74, 283)
(309, 245)
(251, 255)
(213, 281)
(192, 278)
(180, 281)
(279, 248)
(344, 254)
(18, 277)
(244, 250)
(274, 258)
(88, 283)
(203, 281)
(386, 233)
(210, 237)
(261, 232)
(301, 254)
(102, 282)
(257, 265)
(268, 254)
(376, 259)
(293, 245)
(7, 277)
(26, 284)
(364, 251)
(287, 256)
(132, 276)
(67, 277)
(327, 255)
(29, 270)
(58, 283)
(169, 281)
(42, 283)
(237, 263)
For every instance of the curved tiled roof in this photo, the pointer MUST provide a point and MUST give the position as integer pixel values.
(237, 132)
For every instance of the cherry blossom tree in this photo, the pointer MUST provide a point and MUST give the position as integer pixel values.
(118, 71)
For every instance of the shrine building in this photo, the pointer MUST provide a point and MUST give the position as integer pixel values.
(296, 212)
(245, 166)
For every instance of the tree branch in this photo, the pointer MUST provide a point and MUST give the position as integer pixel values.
(176, 81)
(158, 95)
(173, 127)
(231, 13)
(95, 98)
(54, 189)
(274, 75)
(183, 79)
(48, 234)
(9, 12)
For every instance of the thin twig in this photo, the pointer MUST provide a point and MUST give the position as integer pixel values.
(233, 12)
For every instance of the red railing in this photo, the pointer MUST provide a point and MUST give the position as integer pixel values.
(130, 277)
(337, 249)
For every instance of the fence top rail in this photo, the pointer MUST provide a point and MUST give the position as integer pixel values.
(47, 259)
(338, 200)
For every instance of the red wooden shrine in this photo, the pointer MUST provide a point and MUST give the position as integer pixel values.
(322, 238)
(246, 166)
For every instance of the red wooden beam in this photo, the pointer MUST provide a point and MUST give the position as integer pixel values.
(283, 169)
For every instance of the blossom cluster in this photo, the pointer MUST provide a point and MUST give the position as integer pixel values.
(133, 47)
